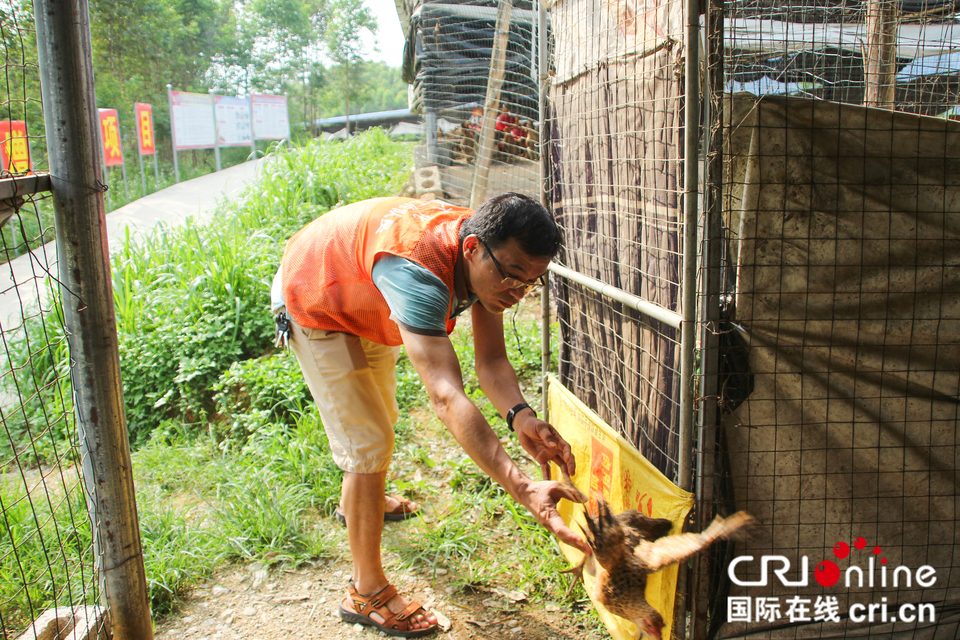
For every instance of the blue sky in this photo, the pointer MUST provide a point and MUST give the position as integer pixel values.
(390, 35)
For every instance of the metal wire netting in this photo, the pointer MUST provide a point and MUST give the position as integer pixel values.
(616, 143)
(472, 68)
(20, 93)
(829, 50)
(840, 202)
(46, 554)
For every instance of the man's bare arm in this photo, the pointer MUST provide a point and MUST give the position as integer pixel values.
(436, 361)
(498, 380)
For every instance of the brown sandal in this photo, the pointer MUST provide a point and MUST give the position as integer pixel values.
(403, 511)
(394, 624)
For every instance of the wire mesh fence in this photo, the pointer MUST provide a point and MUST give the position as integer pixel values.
(616, 144)
(20, 93)
(844, 247)
(828, 50)
(841, 255)
(46, 549)
(472, 68)
(838, 312)
(46, 553)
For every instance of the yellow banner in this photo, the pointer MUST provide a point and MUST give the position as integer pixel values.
(608, 464)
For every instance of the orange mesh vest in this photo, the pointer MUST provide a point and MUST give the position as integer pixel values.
(327, 265)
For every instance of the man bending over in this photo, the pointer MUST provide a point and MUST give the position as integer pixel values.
(363, 279)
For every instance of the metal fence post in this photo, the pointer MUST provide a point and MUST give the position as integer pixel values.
(77, 173)
(430, 124)
(691, 207)
(173, 135)
(708, 415)
(543, 80)
(216, 129)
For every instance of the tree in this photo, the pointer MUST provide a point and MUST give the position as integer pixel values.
(140, 47)
(348, 19)
(275, 42)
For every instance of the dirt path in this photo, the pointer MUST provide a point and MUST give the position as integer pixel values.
(253, 601)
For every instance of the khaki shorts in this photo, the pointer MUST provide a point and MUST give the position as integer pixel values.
(354, 383)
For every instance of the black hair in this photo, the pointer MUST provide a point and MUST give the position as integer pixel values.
(513, 215)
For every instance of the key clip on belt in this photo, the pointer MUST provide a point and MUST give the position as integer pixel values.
(283, 330)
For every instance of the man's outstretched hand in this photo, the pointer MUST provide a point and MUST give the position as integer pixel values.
(544, 444)
(541, 498)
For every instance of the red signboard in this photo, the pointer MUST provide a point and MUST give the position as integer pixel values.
(110, 130)
(144, 113)
(14, 147)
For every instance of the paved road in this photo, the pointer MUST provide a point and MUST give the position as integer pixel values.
(21, 280)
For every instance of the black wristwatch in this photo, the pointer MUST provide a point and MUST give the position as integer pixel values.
(513, 413)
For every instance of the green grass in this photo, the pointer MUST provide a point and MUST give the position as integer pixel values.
(261, 514)
(201, 506)
(178, 549)
(45, 551)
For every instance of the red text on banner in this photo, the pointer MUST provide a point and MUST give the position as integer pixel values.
(110, 130)
(144, 114)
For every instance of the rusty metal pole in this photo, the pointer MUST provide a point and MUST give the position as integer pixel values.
(77, 173)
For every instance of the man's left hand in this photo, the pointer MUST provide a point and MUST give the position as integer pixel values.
(543, 443)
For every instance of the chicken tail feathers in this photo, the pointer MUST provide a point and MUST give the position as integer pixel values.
(736, 527)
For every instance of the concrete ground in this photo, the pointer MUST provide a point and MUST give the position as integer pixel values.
(21, 280)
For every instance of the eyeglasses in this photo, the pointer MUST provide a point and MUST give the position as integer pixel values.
(514, 283)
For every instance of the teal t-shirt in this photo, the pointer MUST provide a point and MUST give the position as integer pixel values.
(418, 299)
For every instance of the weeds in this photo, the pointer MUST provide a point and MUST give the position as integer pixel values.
(259, 515)
(178, 551)
(299, 456)
(266, 390)
(45, 552)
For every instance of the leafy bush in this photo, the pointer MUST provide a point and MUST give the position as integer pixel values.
(188, 307)
(261, 391)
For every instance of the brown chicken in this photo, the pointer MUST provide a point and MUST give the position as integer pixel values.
(629, 546)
